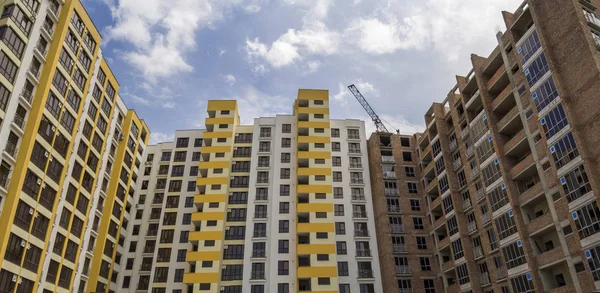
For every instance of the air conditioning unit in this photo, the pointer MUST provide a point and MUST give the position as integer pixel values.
(51, 159)
(222, 289)
(46, 154)
(121, 137)
(31, 211)
(14, 278)
(22, 243)
(53, 128)
(39, 181)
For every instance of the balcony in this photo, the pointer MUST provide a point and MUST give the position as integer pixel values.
(500, 273)
(456, 164)
(365, 274)
(391, 191)
(11, 149)
(464, 132)
(394, 209)
(501, 99)
(19, 121)
(550, 256)
(363, 253)
(388, 159)
(499, 73)
(397, 228)
(35, 71)
(505, 121)
(540, 222)
(484, 279)
(516, 144)
(477, 252)
(470, 151)
(361, 233)
(389, 175)
(480, 194)
(4, 181)
(486, 218)
(472, 227)
(466, 204)
(27, 95)
(399, 248)
(452, 145)
(402, 270)
(522, 169)
(531, 193)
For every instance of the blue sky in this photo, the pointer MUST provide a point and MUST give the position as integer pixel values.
(170, 57)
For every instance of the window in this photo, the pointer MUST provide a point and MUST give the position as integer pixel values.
(337, 176)
(575, 183)
(498, 197)
(343, 269)
(284, 226)
(338, 210)
(410, 171)
(341, 248)
(232, 272)
(418, 223)
(284, 207)
(8, 69)
(265, 132)
(285, 173)
(506, 225)
(340, 228)
(463, 274)
(513, 254)
(421, 242)
(286, 128)
(285, 157)
(457, 249)
(336, 161)
(257, 289)
(283, 288)
(319, 130)
(335, 132)
(415, 204)
(283, 268)
(425, 263)
(407, 156)
(324, 281)
(12, 41)
(554, 121)
(338, 192)
(523, 283)
(429, 285)
(284, 246)
(353, 134)
(537, 69)
(412, 187)
(335, 146)
(235, 252)
(452, 226)
(587, 220)
(286, 142)
(322, 235)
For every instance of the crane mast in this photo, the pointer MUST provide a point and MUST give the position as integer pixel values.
(363, 102)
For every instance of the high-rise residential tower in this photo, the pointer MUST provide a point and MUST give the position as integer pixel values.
(284, 204)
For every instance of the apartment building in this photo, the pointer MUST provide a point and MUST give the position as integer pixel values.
(70, 152)
(407, 254)
(507, 164)
(161, 220)
(284, 204)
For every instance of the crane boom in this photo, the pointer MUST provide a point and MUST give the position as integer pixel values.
(363, 102)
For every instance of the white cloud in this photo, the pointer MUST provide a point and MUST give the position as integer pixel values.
(259, 104)
(448, 26)
(392, 123)
(252, 8)
(222, 51)
(139, 100)
(313, 66)
(229, 79)
(158, 137)
(168, 105)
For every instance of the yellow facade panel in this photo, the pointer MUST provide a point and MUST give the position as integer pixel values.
(214, 165)
(226, 120)
(317, 272)
(314, 189)
(203, 255)
(216, 149)
(316, 249)
(315, 207)
(206, 235)
(215, 105)
(313, 124)
(210, 198)
(314, 171)
(211, 180)
(207, 216)
(315, 227)
(217, 134)
(314, 139)
(314, 155)
(306, 94)
(201, 278)
(307, 110)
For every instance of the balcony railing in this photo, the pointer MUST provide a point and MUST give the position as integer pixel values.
(480, 194)
(466, 204)
(456, 164)
(453, 144)
(477, 251)
(11, 149)
(387, 159)
(399, 248)
(361, 233)
(363, 252)
(257, 276)
(464, 132)
(27, 95)
(260, 233)
(397, 228)
(365, 274)
(500, 273)
(394, 209)
(484, 279)
(35, 71)
(404, 290)
(3, 180)
(19, 121)
(486, 218)
(470, 151)
(359, 214)
(389, 175)
(356, 165)
(357, 181)
(391, 191)
(474, 173)
(358, 197)
(472, 226)
(403, 270)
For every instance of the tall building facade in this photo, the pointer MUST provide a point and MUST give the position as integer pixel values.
(508, 165)
(69, 146)
(284, 204)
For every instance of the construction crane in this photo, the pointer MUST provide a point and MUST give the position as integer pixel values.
(363, 102)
